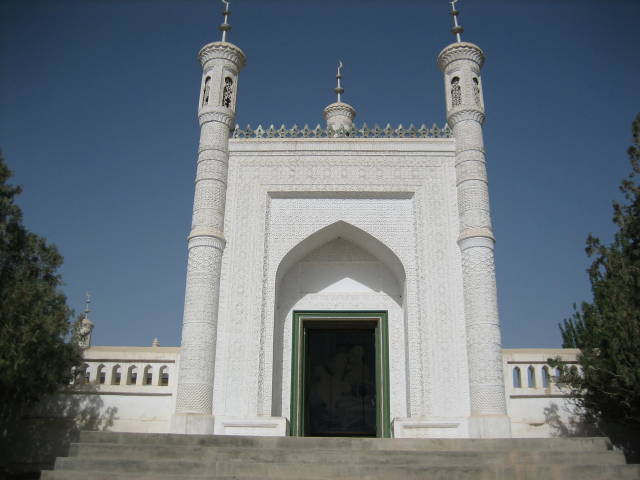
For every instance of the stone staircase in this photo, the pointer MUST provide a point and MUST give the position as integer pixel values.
(115, 456)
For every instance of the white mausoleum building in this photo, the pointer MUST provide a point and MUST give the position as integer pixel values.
(340, 281)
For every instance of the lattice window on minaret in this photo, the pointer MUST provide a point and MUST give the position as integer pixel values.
(476, 90)
(205, 92)
(227, 92)
(456, 92)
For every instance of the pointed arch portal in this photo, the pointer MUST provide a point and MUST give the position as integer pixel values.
(348, 232)
(343, 272)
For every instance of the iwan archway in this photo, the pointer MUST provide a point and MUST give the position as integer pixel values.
(340, 297)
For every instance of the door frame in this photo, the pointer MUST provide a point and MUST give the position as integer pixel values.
(298, 357)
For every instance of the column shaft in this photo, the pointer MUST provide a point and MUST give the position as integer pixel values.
(461, 63)
(206, 245)
(221, 62)
(484, 350)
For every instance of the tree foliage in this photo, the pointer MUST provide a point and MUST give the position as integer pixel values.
(36, 349)
(606, 387)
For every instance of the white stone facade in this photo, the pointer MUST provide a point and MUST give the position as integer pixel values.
(342, 221)
(393, 201)
(407, 217)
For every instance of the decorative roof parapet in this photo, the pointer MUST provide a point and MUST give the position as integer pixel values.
(363, 132)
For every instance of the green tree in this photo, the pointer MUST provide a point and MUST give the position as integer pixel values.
(37, 349)
(606, 387)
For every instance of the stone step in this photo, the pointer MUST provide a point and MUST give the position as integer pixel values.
(344, 443)
(86, 475)
(310, 456)
(627, 472)
(122, 456)
(216, 469)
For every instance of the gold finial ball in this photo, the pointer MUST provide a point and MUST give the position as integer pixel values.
(457, 30)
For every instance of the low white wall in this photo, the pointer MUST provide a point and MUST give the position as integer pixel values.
(538, 408)
(133, 412)
(129, 405)
(539, 416)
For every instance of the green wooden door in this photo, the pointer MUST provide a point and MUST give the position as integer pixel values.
(340, 374)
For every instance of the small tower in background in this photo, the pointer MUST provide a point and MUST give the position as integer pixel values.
(85, 328)
(221, 63)
(461, 63)
(339, 115)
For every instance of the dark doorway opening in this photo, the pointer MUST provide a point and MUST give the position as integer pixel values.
(340, 374)
(340, 379)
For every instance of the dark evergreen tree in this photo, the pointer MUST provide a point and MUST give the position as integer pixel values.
(606, 387)
(37, 351)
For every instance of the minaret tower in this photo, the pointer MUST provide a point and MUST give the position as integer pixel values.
(221, 64)
(461, 63)
(86, 326)
(339, 115)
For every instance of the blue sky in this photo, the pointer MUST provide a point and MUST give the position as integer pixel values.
(98, 123)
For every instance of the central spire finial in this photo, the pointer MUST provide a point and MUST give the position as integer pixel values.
(457, 29)
(226, 26)
(339, 90)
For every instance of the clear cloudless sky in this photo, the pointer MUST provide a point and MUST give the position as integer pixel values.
(98, 123)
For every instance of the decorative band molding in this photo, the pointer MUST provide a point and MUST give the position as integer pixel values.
(223, 116)
(538, 362)
(430, 425)
(553, 395)
(207, 232)
(476, 179)
(213, 179)
(470, 155)
(458, 116)
(222, 50)
(204, 148)
(130, 361)
(482, 232)
(128, 393)
(239, 424)
(460, 51)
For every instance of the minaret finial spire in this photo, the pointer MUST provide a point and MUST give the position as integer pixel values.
(457, 29)
(339, 90)
(226, 26)
(339, 116)
(86, 305)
